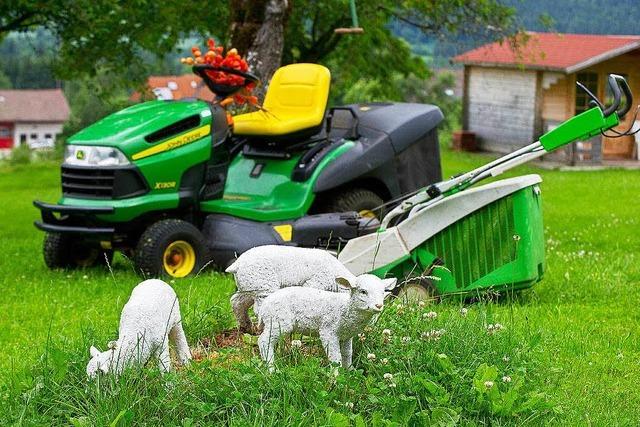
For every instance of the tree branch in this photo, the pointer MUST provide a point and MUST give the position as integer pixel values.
(18, 23)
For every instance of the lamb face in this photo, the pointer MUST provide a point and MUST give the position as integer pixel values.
(368, 292)
(100, 362)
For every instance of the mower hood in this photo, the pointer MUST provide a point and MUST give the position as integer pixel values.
(128, 128)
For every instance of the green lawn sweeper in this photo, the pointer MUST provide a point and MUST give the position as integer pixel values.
(448, 238)
(174, 185)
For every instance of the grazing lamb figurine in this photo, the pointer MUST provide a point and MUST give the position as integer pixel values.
(148, 319)
(335, 317)
(264, 269)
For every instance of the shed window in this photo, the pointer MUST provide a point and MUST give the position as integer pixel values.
(34, 136)
(590, 81)
(23, 138)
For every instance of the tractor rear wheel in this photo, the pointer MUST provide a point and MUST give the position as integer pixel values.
(65, 251)
(171, 247)
(355, 199)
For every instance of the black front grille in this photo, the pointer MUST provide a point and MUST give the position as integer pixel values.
(101, 182)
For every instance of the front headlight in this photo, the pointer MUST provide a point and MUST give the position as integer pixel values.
(87, 155)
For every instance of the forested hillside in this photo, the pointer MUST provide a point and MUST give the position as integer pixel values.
(565, 16)
(580, 16)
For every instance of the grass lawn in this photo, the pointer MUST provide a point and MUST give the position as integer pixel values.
(569, 348)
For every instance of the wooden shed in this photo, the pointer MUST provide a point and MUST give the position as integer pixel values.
(512, 96)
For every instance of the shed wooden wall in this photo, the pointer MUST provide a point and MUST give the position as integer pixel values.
(558, 104)
(628, 64)
(500, 107)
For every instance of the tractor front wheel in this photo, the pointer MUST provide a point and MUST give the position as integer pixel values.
(65, 251)
(170, 247)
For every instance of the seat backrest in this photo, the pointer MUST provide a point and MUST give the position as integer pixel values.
(299, 90)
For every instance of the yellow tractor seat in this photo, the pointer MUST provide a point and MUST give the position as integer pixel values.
(295, 103)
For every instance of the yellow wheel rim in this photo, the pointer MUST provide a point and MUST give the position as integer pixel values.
(366, 213)
(179, 259)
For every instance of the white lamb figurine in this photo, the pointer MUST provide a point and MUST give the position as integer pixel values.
(335, 317)
(148, 320)
(265, 269)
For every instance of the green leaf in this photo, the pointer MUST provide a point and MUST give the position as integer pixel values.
(404, 409)
(124, 415)
(336, 419)
(441, 416)
(80, 422)
(483, 374)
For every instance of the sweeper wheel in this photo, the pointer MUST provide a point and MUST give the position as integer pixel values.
(412, 292)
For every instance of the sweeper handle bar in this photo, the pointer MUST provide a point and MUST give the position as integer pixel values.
(581, 127)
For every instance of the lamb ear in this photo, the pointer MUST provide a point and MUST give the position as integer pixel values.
(93, 351)
(112, 345)
(343, 281)
(389, 284)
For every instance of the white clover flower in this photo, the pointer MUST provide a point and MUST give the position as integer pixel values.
(442, 356)
(362, 337)
(434, 334)
(488, 384)
(506, 358)
(348, 405)
(371, 356)
(405, 340)
(384, 361)
(421, 303)
(85, 277)
(464, 311)
(392, 385)
(386, 332)
(388, 376)
(506, 379)
(430, 315)
(296, 343)
(492, 329)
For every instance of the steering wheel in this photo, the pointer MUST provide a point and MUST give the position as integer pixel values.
(223, 90)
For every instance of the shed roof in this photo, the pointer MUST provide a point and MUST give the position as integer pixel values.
(185, 86)
(33, 105)
(566, 53)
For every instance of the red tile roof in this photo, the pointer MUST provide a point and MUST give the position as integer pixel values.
(552, 51)
(27, 105)
(187, 86)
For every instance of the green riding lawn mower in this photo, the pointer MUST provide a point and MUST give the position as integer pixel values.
(176, 185)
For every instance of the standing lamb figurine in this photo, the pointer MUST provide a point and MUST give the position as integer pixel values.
(148, 320)
(265, 269)
(335, 317)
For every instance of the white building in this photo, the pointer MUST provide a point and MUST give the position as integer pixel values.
(32, 117)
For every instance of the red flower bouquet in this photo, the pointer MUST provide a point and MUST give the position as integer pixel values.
(231, 61)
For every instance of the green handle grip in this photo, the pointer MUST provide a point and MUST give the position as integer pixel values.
(581, 127)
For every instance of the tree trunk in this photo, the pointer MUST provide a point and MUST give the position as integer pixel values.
(257, 31)
(247, 17)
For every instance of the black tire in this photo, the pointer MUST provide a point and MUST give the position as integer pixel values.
(355, 199)
(65, 251)
(153, 260)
